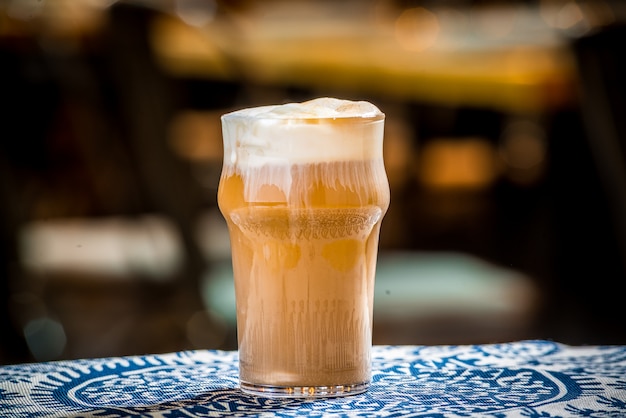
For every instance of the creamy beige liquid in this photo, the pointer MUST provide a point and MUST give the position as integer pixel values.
(304, 256)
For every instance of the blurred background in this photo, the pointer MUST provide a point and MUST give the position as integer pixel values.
(505, 146)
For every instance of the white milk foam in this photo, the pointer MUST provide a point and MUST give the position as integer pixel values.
(295, 133)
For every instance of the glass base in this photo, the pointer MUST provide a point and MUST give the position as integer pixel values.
(269, 391)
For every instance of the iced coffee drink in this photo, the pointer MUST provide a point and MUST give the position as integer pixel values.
(303, 191)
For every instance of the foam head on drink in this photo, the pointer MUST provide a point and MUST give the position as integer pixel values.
(303, 191)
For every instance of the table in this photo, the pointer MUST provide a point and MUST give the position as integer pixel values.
(524, 378)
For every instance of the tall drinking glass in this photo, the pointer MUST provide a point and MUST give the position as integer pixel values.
(303, 190)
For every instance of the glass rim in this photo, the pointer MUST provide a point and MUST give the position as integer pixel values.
(307, 119)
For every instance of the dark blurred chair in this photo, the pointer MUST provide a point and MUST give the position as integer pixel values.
(601, 62)
(142, 101)
(592, 186)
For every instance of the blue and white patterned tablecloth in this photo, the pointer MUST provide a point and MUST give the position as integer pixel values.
(521, 379)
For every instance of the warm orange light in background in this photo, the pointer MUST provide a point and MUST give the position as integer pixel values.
(398, 152)
(197, 136)
(575, 17)
(457, 163)
(58, 18)
(417, 29)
